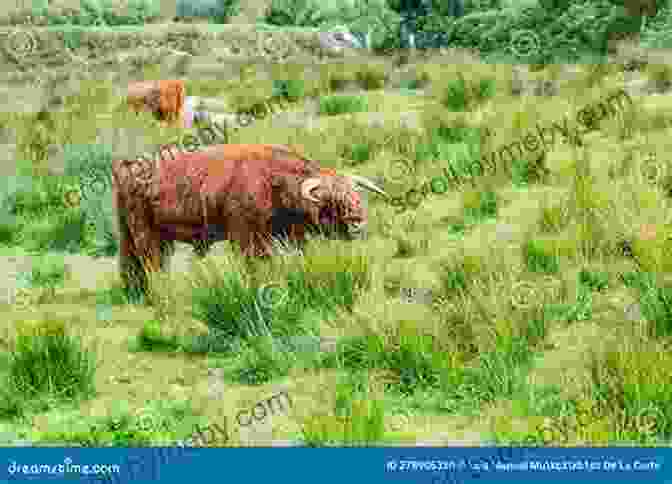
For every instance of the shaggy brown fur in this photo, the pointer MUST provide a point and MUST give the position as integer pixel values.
(165, 99)
(248, 194)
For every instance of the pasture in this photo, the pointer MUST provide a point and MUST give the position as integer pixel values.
(549, 315)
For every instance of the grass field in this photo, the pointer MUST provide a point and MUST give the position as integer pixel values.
(549, 316)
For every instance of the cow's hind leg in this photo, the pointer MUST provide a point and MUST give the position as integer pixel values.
(133, 277)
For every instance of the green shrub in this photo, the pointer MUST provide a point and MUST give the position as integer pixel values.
(296, 13)
(358, 418)
(152, 338)
(105, 13)
(570, 34)
(291, 89)
(657, 33)
(102, 239)
(537, 259)
(90, 166)
(48, 271)
(35, 196)
(335, 105)
(46, 362)
(65, 231)
(217, 11)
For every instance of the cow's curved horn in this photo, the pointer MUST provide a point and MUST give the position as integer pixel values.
(308, 186)
(366, 183)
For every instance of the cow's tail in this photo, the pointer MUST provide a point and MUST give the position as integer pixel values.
(117, 206)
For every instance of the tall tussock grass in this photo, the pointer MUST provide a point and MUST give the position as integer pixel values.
(46, 364)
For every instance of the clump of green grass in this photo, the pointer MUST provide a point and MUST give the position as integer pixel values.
(48, 271)
(525, 172)
(65, 231)
(295, 13)
(655, 300)
(457, 275)
(342, 104)
(457, 378)
(553, 218)
(152, 337)
(537, 258)
(162, 424)
(371, 77)
(47, 364)
(291, 89)
(631, 386)
(358, 418)
(498, 373)
(458, 95)
(415, 359)
(479, 204)
(37, 196)
(553, 419)
(259, 319)
(594, 280)
(358, 153)
(260, 359)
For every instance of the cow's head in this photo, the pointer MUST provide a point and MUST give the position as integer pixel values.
(334, 204)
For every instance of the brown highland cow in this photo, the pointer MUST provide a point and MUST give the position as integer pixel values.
(165, 99)
(249, 194)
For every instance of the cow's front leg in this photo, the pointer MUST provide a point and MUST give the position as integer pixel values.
(253, 244)
(133, 276)
(167, 251)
